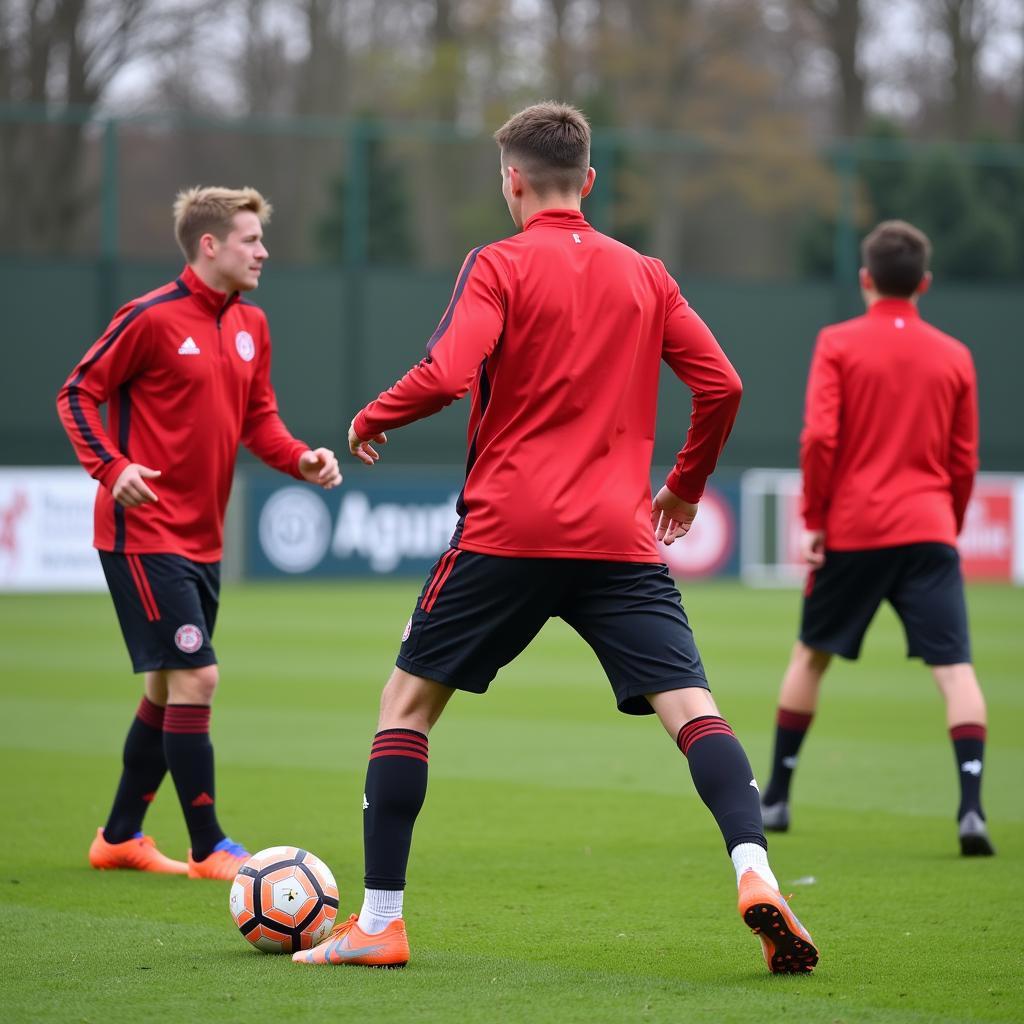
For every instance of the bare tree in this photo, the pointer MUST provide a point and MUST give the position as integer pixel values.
(839, 25)
(58, 54)
(965, 25)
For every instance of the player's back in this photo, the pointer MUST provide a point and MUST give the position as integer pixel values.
(562, 430)
(902, 385)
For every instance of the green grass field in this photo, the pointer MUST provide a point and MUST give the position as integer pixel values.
(563, 869)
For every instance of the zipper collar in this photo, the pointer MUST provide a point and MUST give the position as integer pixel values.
(572, 219)
(209, 299)
(894, 307)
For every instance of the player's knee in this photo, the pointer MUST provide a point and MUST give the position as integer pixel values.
(156, 687)
(675, 708)
(956, 678)
(411, 702)
(194, 685)
(810, 659)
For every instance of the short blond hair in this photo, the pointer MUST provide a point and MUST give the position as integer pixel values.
(211, 210)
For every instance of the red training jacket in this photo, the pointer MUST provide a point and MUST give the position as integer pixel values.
(185, 373)
(559, 331)
(889, 448)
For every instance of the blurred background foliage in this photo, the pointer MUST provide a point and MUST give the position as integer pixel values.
(724, 129)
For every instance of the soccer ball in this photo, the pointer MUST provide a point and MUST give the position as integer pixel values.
(284, 899)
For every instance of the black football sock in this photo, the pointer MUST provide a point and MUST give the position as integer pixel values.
(723, 779)
(189, 754)
(969, 747)
(144, 770)
(790, 729)
(396, 785)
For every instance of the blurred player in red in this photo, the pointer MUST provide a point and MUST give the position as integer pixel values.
(889, 452)
(185, 374)
(559, 332)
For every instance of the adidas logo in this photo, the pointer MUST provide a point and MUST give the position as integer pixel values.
(789, 762)
(188, 347)
(203, 800)
(366, 803)
(753, 782)
(971, 767)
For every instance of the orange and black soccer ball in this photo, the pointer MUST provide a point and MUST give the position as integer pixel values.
(284, 899)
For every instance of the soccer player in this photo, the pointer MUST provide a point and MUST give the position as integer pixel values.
(889, 451)
(185, 374)
(559, 332)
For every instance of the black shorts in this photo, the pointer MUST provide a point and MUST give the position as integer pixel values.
(921, 581)
(478, 612)
(167, 607)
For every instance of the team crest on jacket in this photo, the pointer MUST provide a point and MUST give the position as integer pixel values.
(245, 346)
(188, 638)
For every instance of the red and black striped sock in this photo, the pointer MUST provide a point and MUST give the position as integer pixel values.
(396, 785)
(144, 769)
(969, 748)
(189, 754)
(723, 779)
(790, 729)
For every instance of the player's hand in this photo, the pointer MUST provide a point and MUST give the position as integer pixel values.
(130, 488)
(361, 448)
(320, 466)
(671, 517)
(812, 547)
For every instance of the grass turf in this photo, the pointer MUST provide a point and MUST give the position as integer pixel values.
(563, 870)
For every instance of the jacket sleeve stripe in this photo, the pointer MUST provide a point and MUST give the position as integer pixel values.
(82, 423)
(178, 291)
(450, 311)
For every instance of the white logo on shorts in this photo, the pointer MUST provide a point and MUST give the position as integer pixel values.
(188, 638)
(408, 630)
(245, 346)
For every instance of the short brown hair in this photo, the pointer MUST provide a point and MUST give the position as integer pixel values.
(211, 210)
(552, 141)
(896, 255)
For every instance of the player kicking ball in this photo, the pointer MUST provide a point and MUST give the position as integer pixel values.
(185, 374)
(889, 452)
(559, 333)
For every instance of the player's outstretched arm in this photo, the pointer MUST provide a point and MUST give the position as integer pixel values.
(361, 447)
(320, 466)
(466, 336)
(671, 516)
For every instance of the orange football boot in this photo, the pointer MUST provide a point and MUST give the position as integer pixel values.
(349, 944)
(785, 942)
(138, 854)
(222, 864)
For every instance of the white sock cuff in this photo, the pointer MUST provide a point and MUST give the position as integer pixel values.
(384, 902)
(747, 856)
